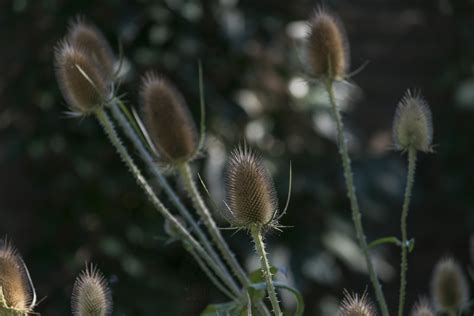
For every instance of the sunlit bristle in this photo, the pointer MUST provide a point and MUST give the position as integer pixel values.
(168, 120)
(250, 192)
(15, 281)
(91, 294)
(355, 305)
(90, 39)
(422, 308)
(327, 48)
(83, 84)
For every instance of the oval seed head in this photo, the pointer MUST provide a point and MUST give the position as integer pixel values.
(422, 308)
(90, 39)
(82, 82)
(449, 287)
(250, 192)
(412, 125)
(353, 305)
(15, 282)
(327, 48)
(168, 121)
(91, 294)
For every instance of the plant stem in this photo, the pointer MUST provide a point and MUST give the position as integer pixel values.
(109, 129)
(406, 204)
(256, 232)
(351, 193)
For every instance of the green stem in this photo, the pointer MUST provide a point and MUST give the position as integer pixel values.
(351, 193)
(406, 204)
(109, 129)
(256, 232)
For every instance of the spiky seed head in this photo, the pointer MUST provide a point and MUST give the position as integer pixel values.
(355, 305)
(449, 288)
(91, 294)
(15, 282)
(327, 48)
(250, 192)
(168, 120)
(82, 82)
(90, 39)
(422, 308)
(412, 125)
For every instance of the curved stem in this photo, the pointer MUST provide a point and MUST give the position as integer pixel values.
(256, 233)
(109, 129)
(351, 193)
(406, 204)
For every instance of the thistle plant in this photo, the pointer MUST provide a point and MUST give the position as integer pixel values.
(355, 305)
(422, 308)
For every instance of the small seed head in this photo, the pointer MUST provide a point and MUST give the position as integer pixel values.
(250, 192)
(327, 48)
(91, 294)
(15, 281)
(90, 40)
(449, 287)
(82, 82)
(355, 305)
(422, 308)
(168, 121)
(412, 125)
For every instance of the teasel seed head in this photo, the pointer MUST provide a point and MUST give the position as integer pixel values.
(422, 308)
(449, 288)
(355, 305)
(327, 48)
(412, 125)
(168, 121)
(91, 294)
(250, 192)
(90, 39)
(82, 82)
(15, 282)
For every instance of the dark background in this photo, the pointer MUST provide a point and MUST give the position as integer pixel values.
(65, 197)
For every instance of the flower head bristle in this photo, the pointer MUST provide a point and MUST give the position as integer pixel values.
(91, 294)
(449, 288)
(15, 281)
(422, 308)
(250, 192)
(412, 125)
(82, 83)
(168, 120)
(355, 305)
(327, 48)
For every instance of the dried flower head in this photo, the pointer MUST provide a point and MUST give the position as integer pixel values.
(449, 287)
(168, 121)
(327, 48)
(15, 282)
(91, 294)
(422, 308)
(82, 82)
(355, 305)
(412, 125)
(90, 39)
(250, 192)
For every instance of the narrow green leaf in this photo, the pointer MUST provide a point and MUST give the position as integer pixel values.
(385, 240)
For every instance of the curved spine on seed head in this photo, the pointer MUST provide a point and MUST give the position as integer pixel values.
(355, 305)
(250, 191)
(83, 84)
(168, 121)
(91, 294)
(422, 308)
(16, 287)
(327, 47)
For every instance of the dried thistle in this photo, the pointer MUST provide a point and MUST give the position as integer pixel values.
(327, 48)
(412, 125)
(90, 39)
(168, 121)
(82, 82)
(15, 282)
(250, 192)
(449, 288)
(91, 294)
(422, 308)
(355, 305)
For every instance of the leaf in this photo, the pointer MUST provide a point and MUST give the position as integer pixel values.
(385, 240)
(299, 298)
(224, 309)
(257, 275)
